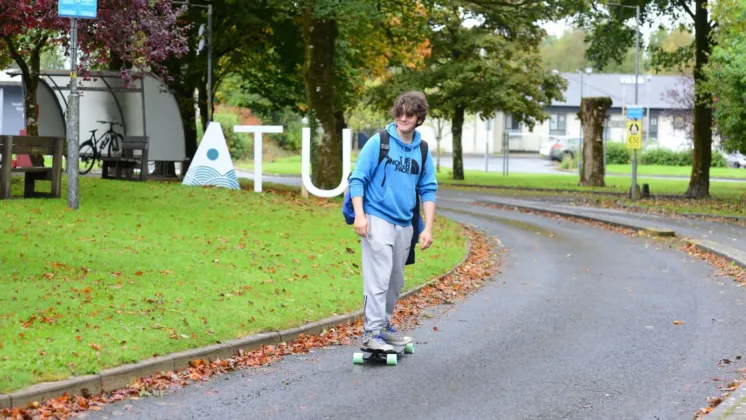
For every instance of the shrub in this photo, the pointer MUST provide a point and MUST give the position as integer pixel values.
(240, 145)
(718, 160)
(568, 163)
(617, 154)
(660, 156)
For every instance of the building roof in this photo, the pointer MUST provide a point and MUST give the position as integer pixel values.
(621, 89)
(7, 80)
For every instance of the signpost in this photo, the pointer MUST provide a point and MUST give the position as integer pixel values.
(633, 140)
(74, 9)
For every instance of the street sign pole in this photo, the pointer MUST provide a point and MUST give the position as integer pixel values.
(74, 9)
(73, 122)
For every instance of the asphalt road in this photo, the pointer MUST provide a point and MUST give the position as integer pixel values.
(515, 164)
(578, 325)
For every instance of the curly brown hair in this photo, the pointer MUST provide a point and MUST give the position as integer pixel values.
(411, 103)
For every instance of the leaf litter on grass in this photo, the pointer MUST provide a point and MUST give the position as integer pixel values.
(150, 269)
(479, 266)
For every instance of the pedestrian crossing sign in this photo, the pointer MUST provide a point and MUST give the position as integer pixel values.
(634, 134)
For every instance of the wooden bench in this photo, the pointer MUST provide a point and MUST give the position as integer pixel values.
(125, 164)
(54, 146)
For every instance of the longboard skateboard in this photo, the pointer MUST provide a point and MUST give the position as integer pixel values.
(389, 357)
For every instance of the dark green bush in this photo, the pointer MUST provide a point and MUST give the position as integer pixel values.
(665, 157)
(617, 154)
(240, 145)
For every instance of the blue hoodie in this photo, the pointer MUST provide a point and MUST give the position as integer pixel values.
(393, 200)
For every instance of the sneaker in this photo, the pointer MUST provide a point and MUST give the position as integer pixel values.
(372, 340)
(391, 336)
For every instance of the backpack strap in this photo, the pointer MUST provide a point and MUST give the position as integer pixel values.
(423, 150)
(384, 149)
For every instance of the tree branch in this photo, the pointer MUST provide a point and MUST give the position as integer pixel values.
(686, 8)
(16, 56)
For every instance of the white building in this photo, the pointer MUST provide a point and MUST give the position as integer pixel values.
(666, 130)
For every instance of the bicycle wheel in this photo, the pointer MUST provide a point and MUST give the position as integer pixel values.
(87, 155)
(115, 143)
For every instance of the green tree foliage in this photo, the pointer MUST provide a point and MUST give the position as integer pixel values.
(567, 53)
(726, 80)
(491, 66)
(612, 29)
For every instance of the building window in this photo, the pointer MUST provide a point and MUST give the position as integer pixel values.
(653, 129)
(558, 124)
(678, 122)
(512, 125)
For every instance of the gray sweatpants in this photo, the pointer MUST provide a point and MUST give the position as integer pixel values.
(385, 251)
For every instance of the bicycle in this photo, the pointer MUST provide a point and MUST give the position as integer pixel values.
(90, 151)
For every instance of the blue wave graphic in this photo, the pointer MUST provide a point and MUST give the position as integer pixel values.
(205, 175)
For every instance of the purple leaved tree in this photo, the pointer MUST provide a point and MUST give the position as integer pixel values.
(133, 34)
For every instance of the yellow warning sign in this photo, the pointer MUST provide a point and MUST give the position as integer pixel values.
(634, 134)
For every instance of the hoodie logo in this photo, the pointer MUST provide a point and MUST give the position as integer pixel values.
(406, 165)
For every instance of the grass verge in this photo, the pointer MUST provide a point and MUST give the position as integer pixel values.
(683, 171)
(146, 269)
(726, 197)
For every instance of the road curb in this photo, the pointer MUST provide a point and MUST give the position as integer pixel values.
(638, 228)
(733, 407)
(122, 376)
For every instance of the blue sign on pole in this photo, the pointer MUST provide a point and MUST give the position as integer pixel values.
(634, 112)
(81, 9)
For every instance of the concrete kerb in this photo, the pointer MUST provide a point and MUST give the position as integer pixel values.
(123, 376)
(637, 228)
(80, 385)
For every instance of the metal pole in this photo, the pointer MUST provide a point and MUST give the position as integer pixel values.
(209, 63)
(73, 121)
(505, 151)
(580, 122)
(487, 148)
(507, 154)
(637, 86)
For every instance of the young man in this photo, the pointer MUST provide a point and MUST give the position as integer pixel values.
(384, 198)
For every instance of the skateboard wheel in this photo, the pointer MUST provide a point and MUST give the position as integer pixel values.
(409, 348)
(391, 359)
(357, 358)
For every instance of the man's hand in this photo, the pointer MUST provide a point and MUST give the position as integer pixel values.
(361, 225)
(426, 239)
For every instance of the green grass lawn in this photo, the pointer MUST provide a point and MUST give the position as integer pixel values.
(727, 197)
(145, 269)
(614, 184)
(684, 171)
(290, 165)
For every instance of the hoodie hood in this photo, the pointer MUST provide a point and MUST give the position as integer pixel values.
(394, 135)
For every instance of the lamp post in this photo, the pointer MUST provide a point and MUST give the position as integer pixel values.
(637, 87)
(209, 51)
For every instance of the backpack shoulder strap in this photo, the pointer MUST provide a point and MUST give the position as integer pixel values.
(423, 150)
(384, 149)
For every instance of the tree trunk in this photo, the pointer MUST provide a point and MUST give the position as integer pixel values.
(699, 183)
(189, 124)
(593, 115)
(202, 103)
(456, 131)
(319, 37)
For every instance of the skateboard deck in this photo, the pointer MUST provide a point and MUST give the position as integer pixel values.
(388, 357)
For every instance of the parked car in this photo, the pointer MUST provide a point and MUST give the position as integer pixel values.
(736, 160)
(559, 147)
